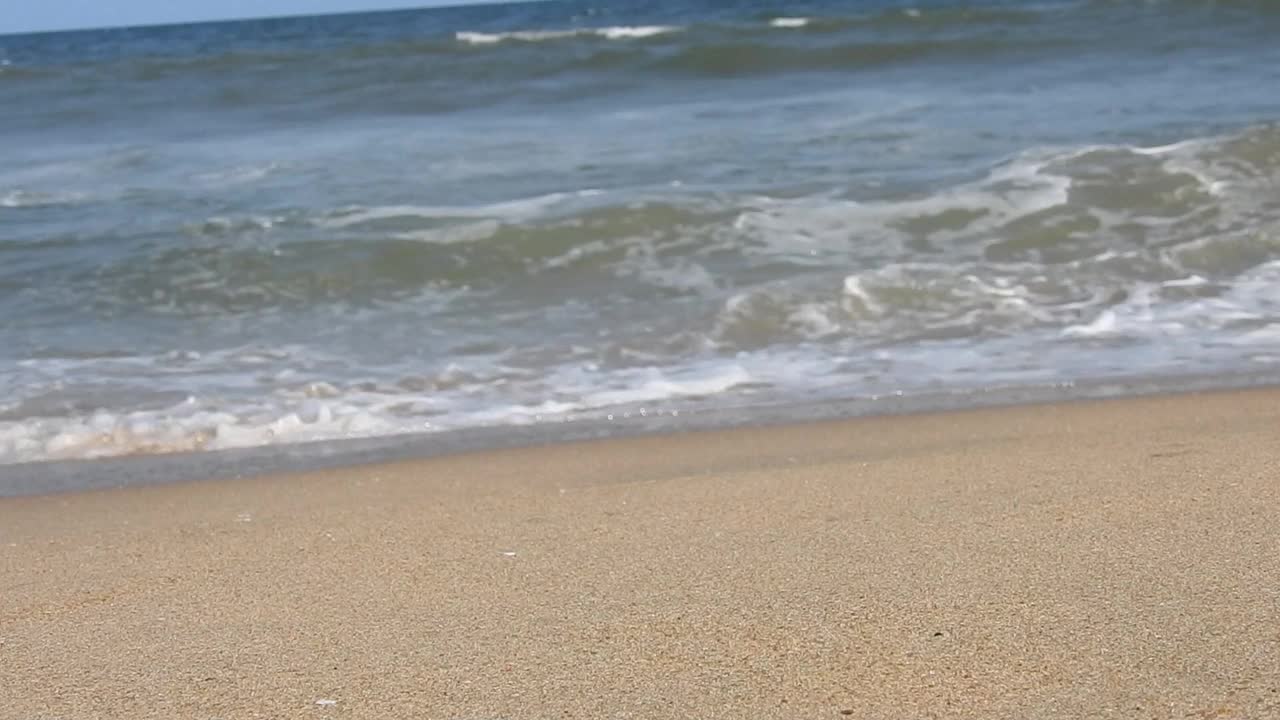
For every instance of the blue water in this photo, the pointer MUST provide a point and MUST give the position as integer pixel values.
(239, 234)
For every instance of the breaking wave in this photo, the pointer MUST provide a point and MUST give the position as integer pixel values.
(1053, 255)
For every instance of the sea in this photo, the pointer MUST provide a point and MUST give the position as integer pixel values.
(602, 217)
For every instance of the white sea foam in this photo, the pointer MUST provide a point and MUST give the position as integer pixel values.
(1106, 324)
(1168, 149)
(626, 33)
(609, 33)
(479, 38)
(653, 384)
(452, 234)
(1018, 189)
(789, 22)
(814, 321)
(1247, 313)
(238, 175)
(512, 210)
(39, 198)
(333, 413)
(1033, 184)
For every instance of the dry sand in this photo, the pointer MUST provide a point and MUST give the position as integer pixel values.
(1103, 559)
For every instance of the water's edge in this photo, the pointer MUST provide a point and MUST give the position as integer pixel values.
(64, 476)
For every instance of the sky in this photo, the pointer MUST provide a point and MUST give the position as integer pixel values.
(42, 15)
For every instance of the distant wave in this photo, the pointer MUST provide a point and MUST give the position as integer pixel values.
(1012, 218)
(444, 71)
(32, 199)
(609, 33)
(963, 16)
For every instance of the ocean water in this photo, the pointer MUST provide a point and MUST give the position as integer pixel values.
(261, 233)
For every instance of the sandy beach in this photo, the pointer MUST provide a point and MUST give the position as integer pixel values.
(1094, 559)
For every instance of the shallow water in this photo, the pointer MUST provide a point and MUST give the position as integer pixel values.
(242, 234)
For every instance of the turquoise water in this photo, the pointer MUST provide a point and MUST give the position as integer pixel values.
(243, 234)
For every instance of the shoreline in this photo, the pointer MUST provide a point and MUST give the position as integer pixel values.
(75, 475)
(1065, 560)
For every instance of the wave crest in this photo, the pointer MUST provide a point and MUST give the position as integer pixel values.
(528, 36)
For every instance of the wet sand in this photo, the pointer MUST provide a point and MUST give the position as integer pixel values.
(1114, 558)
